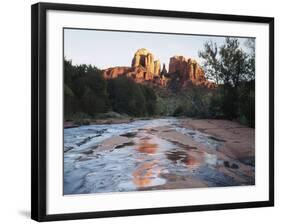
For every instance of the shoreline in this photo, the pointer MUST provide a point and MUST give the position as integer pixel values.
(192, 125)
(75, 124)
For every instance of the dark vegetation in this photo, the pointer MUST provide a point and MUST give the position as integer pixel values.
(87, 95)
(233, 70)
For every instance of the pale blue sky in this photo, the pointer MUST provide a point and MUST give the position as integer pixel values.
(112, 48)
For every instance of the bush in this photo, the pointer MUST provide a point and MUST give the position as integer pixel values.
(235, 103)
(84, 90)
(215, 108)
(79, 118)
(179, 111)
(150, 99)
(110, 114)
(131, 98)
(247, 103)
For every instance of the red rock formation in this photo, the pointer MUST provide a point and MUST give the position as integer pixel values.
(145, 69)
(114, 72)
(145, 58)
(157, 68)
(189, 71)
(137, 73)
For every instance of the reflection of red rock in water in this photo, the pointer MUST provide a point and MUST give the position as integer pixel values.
(147, 147)
(144, 174)
(190, 158)
(193, 161)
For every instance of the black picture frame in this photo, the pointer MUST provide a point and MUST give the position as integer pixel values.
(38, 108)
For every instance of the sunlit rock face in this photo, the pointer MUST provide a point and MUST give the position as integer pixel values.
(189, 71)
(114, 72)
(145, 58)
(144, 69)
(137, 73)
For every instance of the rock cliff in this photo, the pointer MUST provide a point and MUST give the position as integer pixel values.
(114, 72)
(189, 71)
(145, 69)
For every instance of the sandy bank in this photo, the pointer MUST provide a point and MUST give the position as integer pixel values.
(238, 141)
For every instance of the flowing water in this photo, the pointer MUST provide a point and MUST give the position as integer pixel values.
(144, 161)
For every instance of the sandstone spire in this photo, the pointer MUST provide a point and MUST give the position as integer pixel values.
(144, 58)
(187, 68)
(157, 68)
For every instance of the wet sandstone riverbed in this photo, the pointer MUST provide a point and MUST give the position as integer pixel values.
(157, 154)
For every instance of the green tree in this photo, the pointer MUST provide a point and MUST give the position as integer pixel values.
(233, 71)
(70, 101)
(174, 82)
(250, 44)
(150, 99)
(211, 62)
(233, 62)
(232, 68)
(85, 90)
(128, 97)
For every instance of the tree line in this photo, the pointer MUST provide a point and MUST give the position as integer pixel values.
(87, 94)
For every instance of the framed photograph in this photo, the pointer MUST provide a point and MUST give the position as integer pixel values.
(140, 111)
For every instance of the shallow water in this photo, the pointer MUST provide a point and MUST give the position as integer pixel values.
(145, 162)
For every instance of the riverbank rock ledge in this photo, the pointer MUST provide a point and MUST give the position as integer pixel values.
(145, 69)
